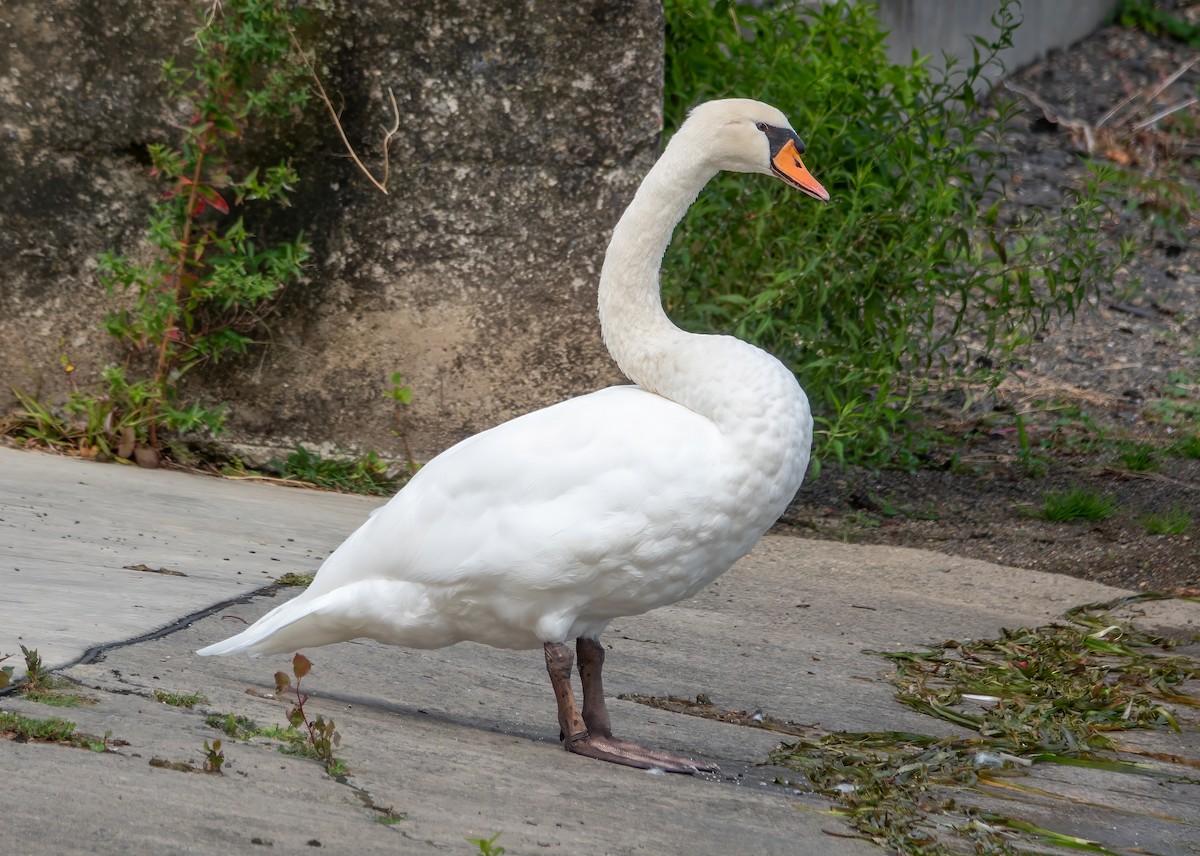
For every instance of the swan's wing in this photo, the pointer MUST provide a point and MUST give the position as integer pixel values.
(544, 499)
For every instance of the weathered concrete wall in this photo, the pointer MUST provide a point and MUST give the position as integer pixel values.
(525, 128)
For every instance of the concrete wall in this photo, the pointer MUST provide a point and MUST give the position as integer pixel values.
(525, 129)
(934, 26)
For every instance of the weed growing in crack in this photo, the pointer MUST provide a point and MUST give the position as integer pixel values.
(53, 730)
(40, 685)
(188, 700)
(488, 846)
(323, 736)
(36, 675)
(237, 727)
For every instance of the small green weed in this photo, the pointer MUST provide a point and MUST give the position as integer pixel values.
(214, 758)
(36, 675)
(291, 578)
(1180, 404)
(6, 673)
(1032, 463)
(41, 686)
(488, 846)
(237, 727)
(1138, 457)
(389, 817)
(1186, 447)
(323, 736)
(188, 700)
(54, 698)
(52, 730)
(1075, 505)
(367, 475)
(402, 394)
(1176, 521)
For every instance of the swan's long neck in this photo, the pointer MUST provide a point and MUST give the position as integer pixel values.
(752, 397)
(636, 330)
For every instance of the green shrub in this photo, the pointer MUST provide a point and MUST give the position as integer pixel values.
(919, 272)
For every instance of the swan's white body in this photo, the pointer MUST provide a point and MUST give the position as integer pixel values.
(547, 527)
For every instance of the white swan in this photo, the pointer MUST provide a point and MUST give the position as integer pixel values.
(546, 528)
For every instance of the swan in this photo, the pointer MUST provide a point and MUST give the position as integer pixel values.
(545, 528)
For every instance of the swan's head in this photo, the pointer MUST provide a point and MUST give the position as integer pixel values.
(741, 135)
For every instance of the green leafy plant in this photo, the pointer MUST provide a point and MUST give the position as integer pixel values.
(323, 736)
(488, 846)
(909, 278)
(36, 675)
(367, 474)
(1174, 521)
(402, 394)
(203, 290)
(1076, 504)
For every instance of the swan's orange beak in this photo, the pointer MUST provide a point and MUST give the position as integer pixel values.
(788, 166)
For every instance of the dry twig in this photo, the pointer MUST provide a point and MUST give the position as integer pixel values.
(389, 133)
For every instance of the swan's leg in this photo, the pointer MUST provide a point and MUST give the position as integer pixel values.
(559, 660)
(599, 744)
(591, 662)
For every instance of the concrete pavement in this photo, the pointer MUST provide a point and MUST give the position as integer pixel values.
(462, 742)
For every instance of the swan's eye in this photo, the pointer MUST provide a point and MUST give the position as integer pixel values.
(762, 126)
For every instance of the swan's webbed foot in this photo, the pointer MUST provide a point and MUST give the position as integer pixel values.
(617, 751)
(589, 732)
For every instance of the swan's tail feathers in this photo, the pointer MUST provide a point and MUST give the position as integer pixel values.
(395, 613)
(289, 627)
